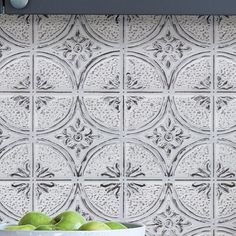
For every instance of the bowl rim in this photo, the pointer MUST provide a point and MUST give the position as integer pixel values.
(138, 226)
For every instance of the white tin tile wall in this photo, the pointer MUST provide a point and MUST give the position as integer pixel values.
(120, 117)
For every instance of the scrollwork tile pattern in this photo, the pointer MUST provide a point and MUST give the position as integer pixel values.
(128, 118)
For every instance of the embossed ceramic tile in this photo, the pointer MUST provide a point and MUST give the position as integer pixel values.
(17, 29)
(195, 198)
(16, 160)
(52, 161)
(225, 117)
(225, 70)
(141, 161)
(104, 161)
(104, 27)
(139, 28)
(168, 218)
(52, 74)
(123, 117)
(52, 110)
(15, 198)
(16, 73)
(51, 28)
(195, 162)
(225, 232)
(143, 74)
(195, 110)
(195, 28)
(141, 110)
(15, 111)
(104, 197)
(103, 74)
(51, 197)
(142, 197)
(103, 110)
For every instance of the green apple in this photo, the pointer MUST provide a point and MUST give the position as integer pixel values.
(68, 220)
(46, 227)
(94, 226)
(20, 227)
(115, 225)
(35, 218)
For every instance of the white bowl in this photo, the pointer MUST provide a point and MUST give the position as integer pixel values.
(133, 230)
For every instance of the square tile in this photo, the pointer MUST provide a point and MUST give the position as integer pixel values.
(16, 112)
(141, 199)
(16, 199)
(52, 196)
(104, 198)
(52, 110)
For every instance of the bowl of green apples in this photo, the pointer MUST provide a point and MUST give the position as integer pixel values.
(68, 223)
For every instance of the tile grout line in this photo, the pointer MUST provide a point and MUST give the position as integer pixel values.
(131, 92)
(123, 131)
(214, 132)
(161, 180)
(213, 160)
(33, 93)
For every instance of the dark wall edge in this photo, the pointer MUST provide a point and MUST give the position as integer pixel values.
(160, 7)
(1, 6)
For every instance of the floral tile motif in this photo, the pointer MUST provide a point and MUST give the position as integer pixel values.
(77, 136)
(120, 117)
(168, 136)
(168, 49)
(168, 220)
(77, 49)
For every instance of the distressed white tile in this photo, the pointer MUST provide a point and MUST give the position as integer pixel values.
(123, 117)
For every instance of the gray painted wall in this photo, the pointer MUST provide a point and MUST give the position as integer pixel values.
(201, 7)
